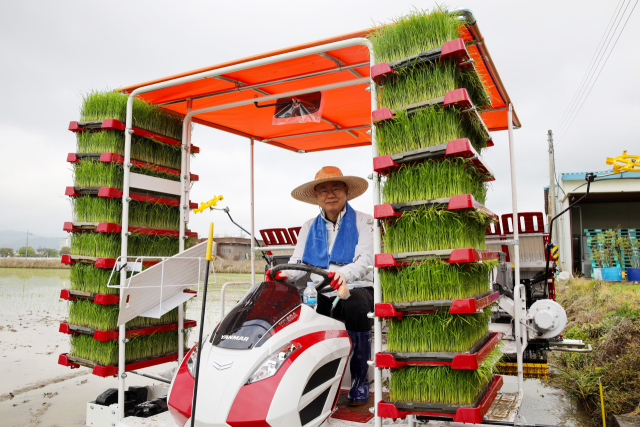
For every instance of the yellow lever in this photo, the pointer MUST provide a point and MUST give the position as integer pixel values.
(208, 204)
(210, 244)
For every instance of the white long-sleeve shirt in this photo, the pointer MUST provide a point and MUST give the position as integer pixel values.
(356, 272)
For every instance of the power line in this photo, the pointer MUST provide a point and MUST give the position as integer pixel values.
(600, 71)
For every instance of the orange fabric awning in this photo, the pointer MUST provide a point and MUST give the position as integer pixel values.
(346, 107)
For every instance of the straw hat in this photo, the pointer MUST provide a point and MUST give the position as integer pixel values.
(305, 193)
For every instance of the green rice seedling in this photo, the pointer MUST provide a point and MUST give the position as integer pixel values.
(92, 173)
(434, 179)
(416, 32)
(88, 278)
(107, 245)
(412, 85)
(426, 128)
(142, 347)
(142, 214)
(113, 105)
(142, 149)
(435, 229)
(437, 332)
(105, 317)
(435, 280)
(441, 384)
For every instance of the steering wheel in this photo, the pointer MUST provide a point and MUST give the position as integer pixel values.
(308, 269)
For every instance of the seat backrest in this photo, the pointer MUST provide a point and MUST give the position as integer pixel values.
(493, 229)
(528, 222)
(294, 232)
(275, 236)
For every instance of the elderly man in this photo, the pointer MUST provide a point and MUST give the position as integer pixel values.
(340, 240)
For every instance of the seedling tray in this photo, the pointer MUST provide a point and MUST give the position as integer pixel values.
(109, 227)
(468, 360)
(114, 124)
(98, 262)
(452, 50)
(102, 299)
(456, 148)
(458, 98)
(460, 414)
(118, 159)
(454, 203)
(452, 256)
(107, 371)
(114, 193)
(65, 328)
(453, 306)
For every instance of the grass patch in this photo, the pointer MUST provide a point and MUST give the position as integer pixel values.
(142, 149)
(441, 384)
(105, 317)
(113, 105)
(435, 280)
(106, 353)
(418, 31)
(412, 85)
(92, 173)
(435, 229)
(426, 128)
(439, 331)
(143, 214)
(434, 179)
(107, 245)
(87, 278)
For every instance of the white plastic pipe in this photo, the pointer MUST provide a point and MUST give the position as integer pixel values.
(253, 230)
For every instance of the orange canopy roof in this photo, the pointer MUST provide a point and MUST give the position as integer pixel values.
(347, 107)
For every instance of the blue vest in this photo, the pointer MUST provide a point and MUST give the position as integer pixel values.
(316, 251)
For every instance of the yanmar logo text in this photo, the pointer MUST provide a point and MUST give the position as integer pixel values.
(235, 338)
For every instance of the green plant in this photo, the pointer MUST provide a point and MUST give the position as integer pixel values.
(143, 214)
(428, 127)
(439, 331)
(412, 85)
(107, 245)
(91, 279)
(434, 179)
(92, 173)
(435, 229)
(435, 280)
(142, 149)
(113, 105)
(604, 249)
(105, 317)
(418, 31)
(441, 384)
(142, 347)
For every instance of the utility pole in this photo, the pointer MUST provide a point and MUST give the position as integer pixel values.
(552, 184)
(26, 249)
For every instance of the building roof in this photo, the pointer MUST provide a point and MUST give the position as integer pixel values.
(581, 176)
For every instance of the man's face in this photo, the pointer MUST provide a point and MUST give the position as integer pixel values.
(332, 196)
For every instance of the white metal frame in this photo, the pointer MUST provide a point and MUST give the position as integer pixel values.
(185, 170)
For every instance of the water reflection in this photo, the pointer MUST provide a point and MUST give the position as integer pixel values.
(36, 290)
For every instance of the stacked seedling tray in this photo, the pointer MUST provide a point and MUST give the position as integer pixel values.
(434, 272)
(96, 227)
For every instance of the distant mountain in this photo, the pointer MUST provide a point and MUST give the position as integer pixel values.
(17, 239)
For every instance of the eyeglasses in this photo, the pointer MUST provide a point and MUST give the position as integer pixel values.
(336, 189)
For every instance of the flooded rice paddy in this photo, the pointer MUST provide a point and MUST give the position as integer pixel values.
(36, 391)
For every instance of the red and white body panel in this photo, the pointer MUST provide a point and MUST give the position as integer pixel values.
(225, 400)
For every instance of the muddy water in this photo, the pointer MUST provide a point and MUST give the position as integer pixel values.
(47, 394)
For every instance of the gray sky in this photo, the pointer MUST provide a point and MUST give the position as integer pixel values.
(52, 52)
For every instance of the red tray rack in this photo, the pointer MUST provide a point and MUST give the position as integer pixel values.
(107, 371)
(65, 328)
(102, 299)
(114, 124)
(452, 256)
(454, 203)
(451, 50)
(462, 414)
(114, 193)
(454, 306)
(458, 98)
(109, 227)
(456, 148)
(469, 360)
(118, 159)
(98, 262)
